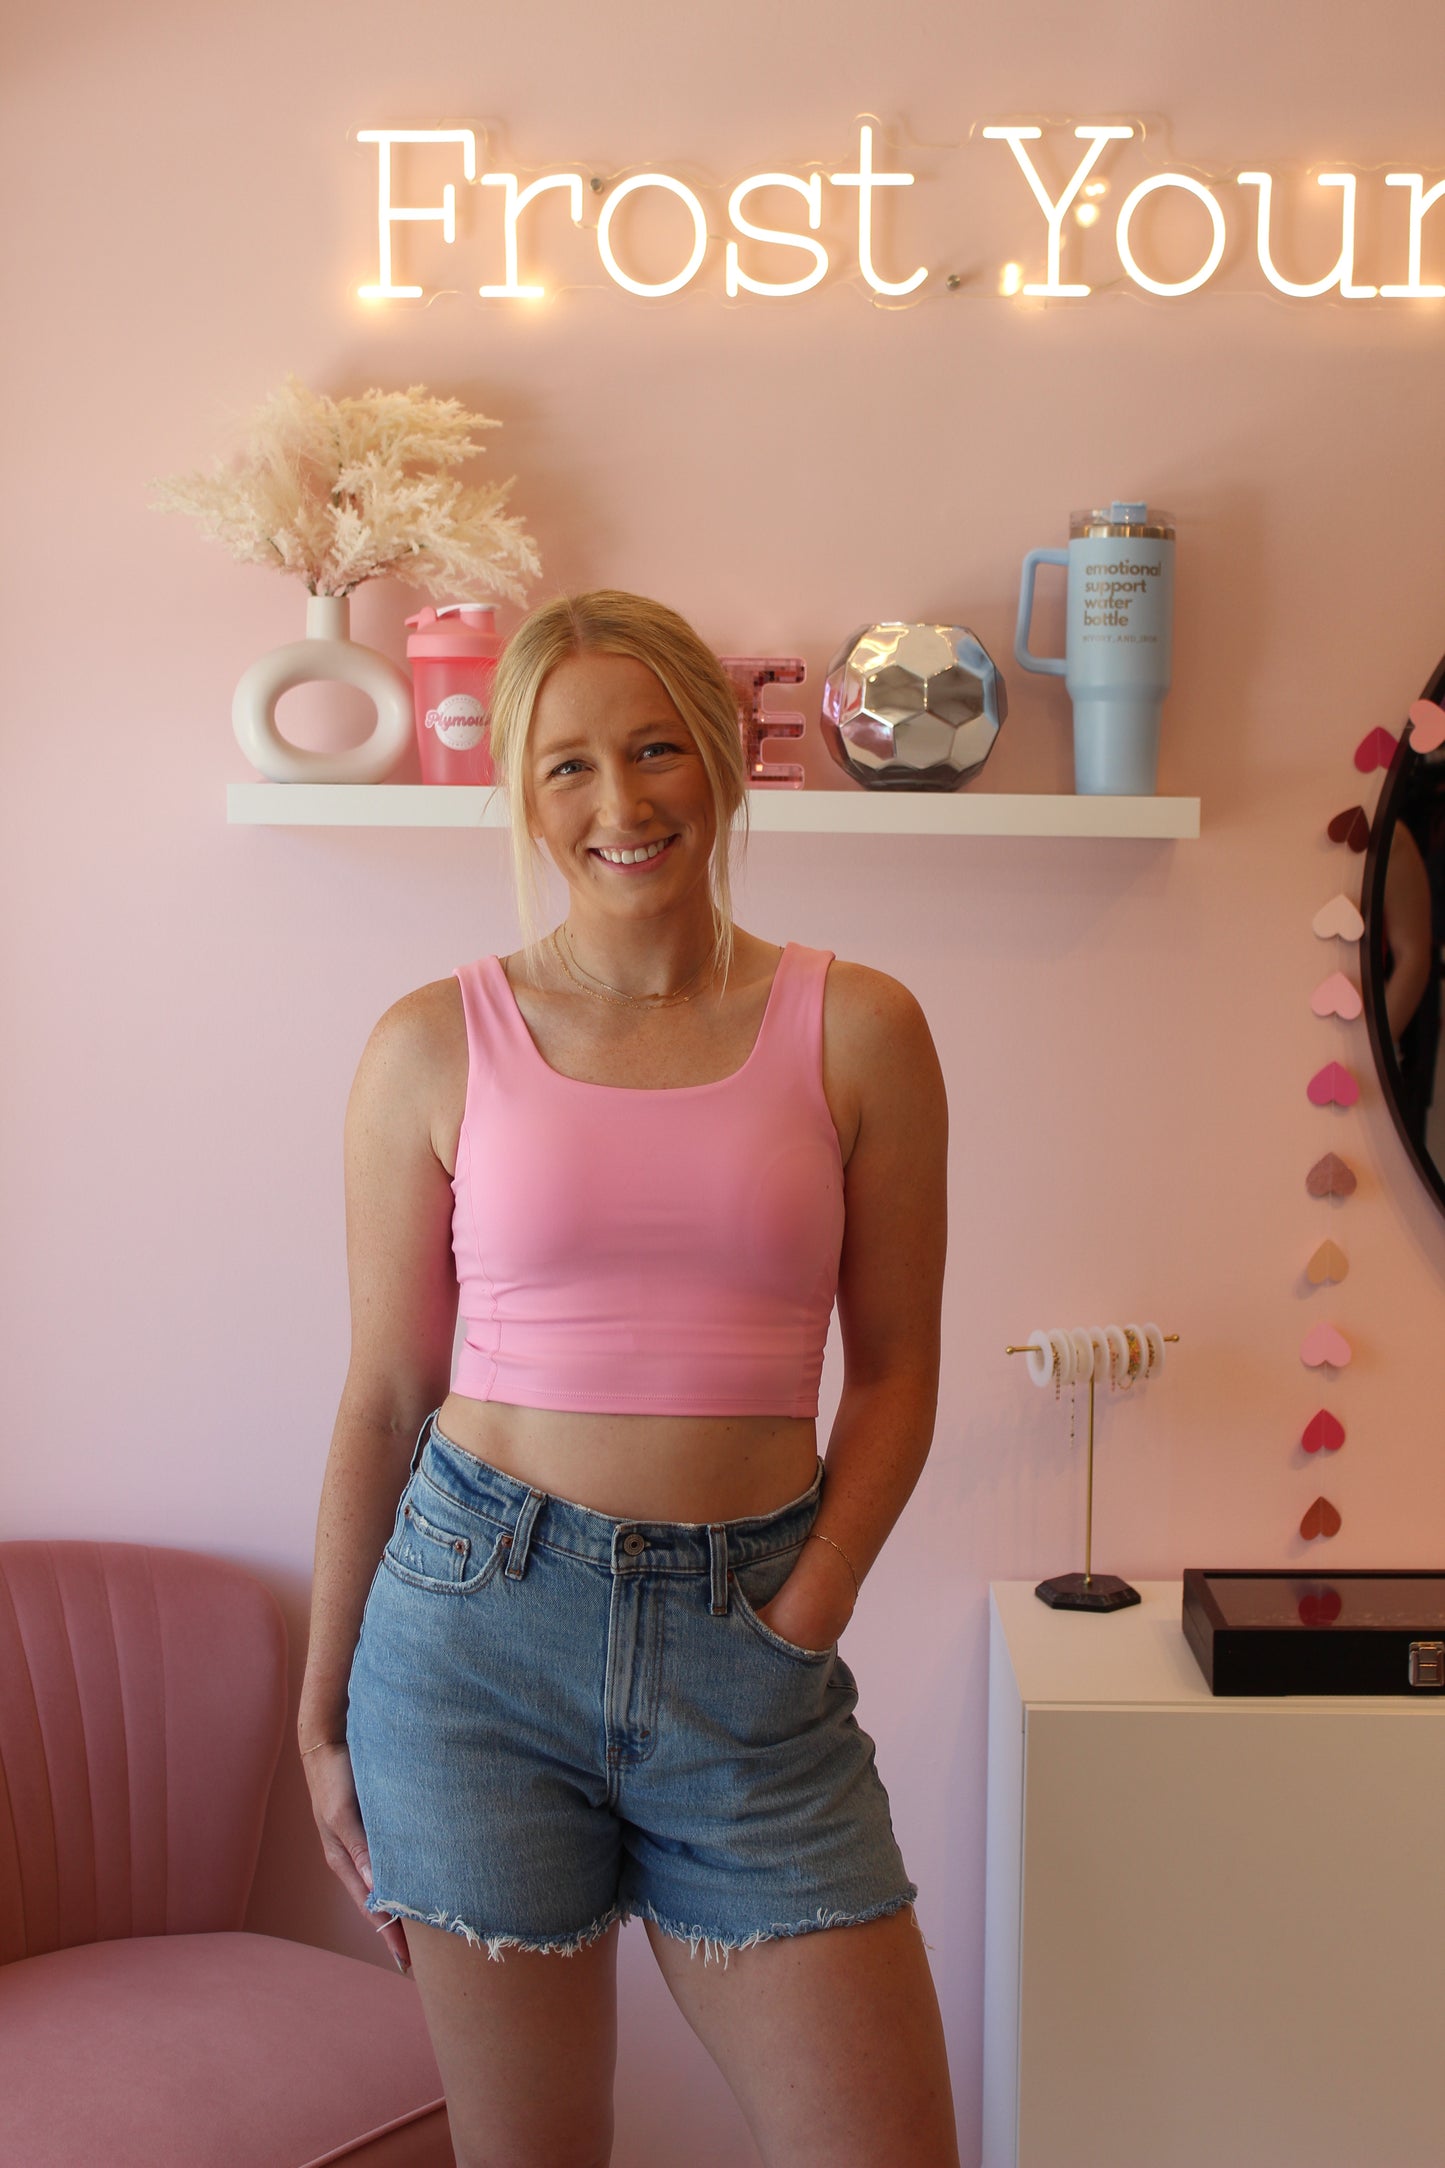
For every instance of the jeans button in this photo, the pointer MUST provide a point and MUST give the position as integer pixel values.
(634, 1543)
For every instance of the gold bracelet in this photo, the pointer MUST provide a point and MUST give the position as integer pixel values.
(318, 1746)
(842, 1554)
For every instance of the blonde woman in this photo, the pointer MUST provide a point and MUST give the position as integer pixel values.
(578, 1661)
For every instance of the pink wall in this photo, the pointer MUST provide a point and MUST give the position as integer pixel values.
(1124, 1026)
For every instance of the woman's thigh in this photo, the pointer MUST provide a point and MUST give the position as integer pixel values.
(831, 2042)
(527, 2048)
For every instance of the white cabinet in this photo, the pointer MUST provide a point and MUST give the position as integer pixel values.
(1215, 1929)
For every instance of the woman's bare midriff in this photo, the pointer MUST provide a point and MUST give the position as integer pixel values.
(642, 1467)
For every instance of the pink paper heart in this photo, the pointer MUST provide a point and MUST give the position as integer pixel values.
(1340, 918)
(1337, 996)
(1427, 726)
(1324, 1344)
(1323, 1430)
(1333, 1083)
(1375, 750)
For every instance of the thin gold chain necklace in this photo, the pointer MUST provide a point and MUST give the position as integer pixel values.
(616, 993)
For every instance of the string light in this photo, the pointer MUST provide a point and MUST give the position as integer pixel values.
(620, 193)
(1081, 195)
(1131, 204)
(513, 206)
(389, 215)
(1344, 270)
(812, 191)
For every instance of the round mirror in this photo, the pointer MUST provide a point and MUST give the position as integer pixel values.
(1403, 903)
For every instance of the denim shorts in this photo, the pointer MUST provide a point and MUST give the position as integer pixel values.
(558, 1720)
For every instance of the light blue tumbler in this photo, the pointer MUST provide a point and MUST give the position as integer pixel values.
(1117, 644)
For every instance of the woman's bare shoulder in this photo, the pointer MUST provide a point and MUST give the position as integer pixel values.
(865, 1005)
(424, 1022)
(416, 1060)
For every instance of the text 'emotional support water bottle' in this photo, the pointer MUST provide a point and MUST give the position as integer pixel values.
(1118, 641)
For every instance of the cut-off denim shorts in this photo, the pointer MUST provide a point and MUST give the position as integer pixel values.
(558, 1720)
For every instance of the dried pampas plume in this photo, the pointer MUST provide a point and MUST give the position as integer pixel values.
(338, 491)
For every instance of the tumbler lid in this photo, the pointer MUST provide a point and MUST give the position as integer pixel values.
(1125, 516)
(456, 630)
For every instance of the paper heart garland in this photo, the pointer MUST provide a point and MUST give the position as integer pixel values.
(1427, 726)
(1330, 1177)
(1375, 750)
(1323, 1432)
(1324, 1344)
(1351, 827)
(1321, 1520)
(1320, 1606)
(1337, 996)
(1328, 1265)
(1340, 918)
(1333, 1083)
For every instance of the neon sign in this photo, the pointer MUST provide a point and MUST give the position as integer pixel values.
(1079, 196)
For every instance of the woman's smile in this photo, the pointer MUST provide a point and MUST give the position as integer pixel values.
(634, 858)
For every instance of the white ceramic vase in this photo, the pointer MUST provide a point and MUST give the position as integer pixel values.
(327, 651)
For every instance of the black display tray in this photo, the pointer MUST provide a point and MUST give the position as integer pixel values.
(1260, 1632)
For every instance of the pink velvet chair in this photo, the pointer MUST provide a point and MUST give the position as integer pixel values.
(142, 1709)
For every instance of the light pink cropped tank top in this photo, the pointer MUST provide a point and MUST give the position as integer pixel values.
(670, 1252)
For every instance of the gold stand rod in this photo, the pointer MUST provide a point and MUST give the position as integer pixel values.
(1089, 1506)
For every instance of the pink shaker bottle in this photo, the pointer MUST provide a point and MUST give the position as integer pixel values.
(453, 655)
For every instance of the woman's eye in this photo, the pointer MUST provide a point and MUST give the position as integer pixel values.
(662, 745)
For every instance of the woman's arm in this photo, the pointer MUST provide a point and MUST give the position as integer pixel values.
(403, 1315)
(890, 1296)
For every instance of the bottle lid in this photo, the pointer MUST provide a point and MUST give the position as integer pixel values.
(456, 631)
(1124, 516)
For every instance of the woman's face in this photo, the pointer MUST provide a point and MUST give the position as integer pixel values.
(613, 768)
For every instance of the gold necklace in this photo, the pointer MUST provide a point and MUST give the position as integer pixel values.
(657, 1001)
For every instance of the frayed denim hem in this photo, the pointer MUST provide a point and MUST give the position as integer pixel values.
(719, 1947)
(544, 1946)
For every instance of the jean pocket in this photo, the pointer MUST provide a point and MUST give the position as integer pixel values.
(426, 1552)
(758, 1583)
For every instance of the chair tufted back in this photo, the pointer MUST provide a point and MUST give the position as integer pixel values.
(142, 1705)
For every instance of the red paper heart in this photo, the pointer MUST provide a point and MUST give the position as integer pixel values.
(1375, 750)
(1323, 1430)
(1321, 1520)
(1333, 1084)
(1330, 1177)
(1320, 1606)
(1352, 827)
(1427, 726)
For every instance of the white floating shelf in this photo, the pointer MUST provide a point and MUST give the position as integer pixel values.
(798, 812)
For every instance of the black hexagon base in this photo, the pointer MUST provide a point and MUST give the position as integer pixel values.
(1096, 1592)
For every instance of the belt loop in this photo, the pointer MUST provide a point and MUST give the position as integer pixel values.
(421, 1438)
(717, 1539)
(521, 1538)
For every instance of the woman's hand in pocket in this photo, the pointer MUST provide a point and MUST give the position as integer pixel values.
(343, 1839)
(813, 1605)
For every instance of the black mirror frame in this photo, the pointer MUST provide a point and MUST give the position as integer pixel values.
(1372, 942)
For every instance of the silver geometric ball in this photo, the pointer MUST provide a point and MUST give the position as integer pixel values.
(912, 707)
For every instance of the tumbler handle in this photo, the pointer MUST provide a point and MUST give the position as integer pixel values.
(1051, 665)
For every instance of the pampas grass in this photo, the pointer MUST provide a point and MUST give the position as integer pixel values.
(338, 491)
